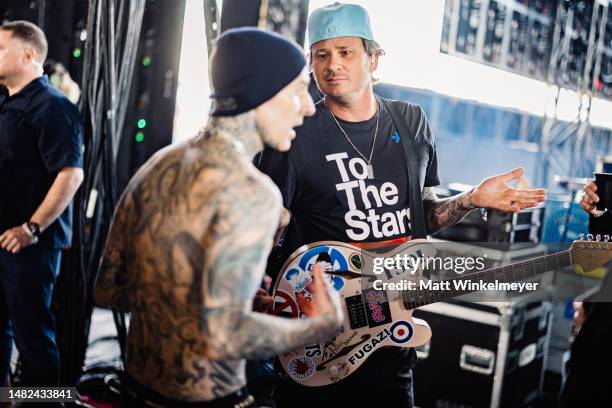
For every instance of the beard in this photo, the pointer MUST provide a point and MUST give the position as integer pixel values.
(4, 78)
(342, 100)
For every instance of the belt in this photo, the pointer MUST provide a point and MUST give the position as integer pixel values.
(380, 244)
(150, 398)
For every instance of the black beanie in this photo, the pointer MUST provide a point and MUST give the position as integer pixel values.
(250, 66)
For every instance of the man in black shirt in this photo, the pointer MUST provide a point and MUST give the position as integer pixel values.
(40, 171)
(345, 179)
(590, 350)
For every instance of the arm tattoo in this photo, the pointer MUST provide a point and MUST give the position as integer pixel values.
(193, 246)
(236, 268)
(443, 213)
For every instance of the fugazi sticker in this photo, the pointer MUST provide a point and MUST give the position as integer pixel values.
(400, 332)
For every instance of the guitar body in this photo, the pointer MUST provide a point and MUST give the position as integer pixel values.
(371, 320)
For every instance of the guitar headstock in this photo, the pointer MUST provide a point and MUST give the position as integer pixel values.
(591, 253)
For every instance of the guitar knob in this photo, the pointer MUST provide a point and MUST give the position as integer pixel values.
(581, 237)
(589, 237)
(597, 237)
(334, 371)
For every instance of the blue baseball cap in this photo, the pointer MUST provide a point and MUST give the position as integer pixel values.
(339, 20)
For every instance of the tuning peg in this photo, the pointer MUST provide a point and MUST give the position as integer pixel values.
(581, 237)
(606, 238)
(589, 237)
(598, 237)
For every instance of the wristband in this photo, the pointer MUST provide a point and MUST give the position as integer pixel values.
(471, 206)
(33, 230)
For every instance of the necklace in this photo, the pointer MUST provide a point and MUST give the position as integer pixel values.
(370, 167)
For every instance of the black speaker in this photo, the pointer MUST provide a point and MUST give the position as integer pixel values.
(152, 99)
(287, 17)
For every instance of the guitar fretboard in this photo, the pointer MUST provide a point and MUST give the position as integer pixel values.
(504, 274)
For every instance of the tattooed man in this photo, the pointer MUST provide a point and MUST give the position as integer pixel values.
(345, 179)
(191, 234)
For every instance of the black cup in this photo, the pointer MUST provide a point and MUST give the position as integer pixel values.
(604, 191)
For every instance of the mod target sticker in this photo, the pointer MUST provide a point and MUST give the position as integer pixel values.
(401, 332)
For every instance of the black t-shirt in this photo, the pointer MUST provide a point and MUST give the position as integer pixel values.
(40, 133)
(324, 181)
(601, 225)
(324, 184)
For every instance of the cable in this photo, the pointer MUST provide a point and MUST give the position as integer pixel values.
(111, 48)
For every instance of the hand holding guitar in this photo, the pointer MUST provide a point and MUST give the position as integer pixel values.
(590, 199)
(579, 317)
(494, 192)
(325, 300)
(262, 301)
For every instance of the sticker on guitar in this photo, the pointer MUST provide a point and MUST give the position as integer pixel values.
(400, 332)
(301, 368)
(284, 305)
(299, 278)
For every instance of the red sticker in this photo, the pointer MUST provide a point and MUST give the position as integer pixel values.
(284, 305)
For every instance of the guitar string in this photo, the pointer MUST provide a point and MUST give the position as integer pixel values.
(566, 253)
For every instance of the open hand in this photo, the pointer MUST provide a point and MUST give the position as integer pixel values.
(494, 192)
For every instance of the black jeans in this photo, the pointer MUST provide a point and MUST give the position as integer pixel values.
(26, 286)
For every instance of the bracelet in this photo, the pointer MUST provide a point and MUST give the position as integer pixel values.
(471, 206)
(30, 234)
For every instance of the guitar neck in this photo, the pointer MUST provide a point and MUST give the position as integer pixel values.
(504, 274)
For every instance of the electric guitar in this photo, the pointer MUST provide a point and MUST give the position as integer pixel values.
(372, 319)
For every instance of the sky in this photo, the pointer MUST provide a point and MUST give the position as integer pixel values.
(410, 32)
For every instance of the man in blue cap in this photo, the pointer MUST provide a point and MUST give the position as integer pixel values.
(190, 236)
(345, 178)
